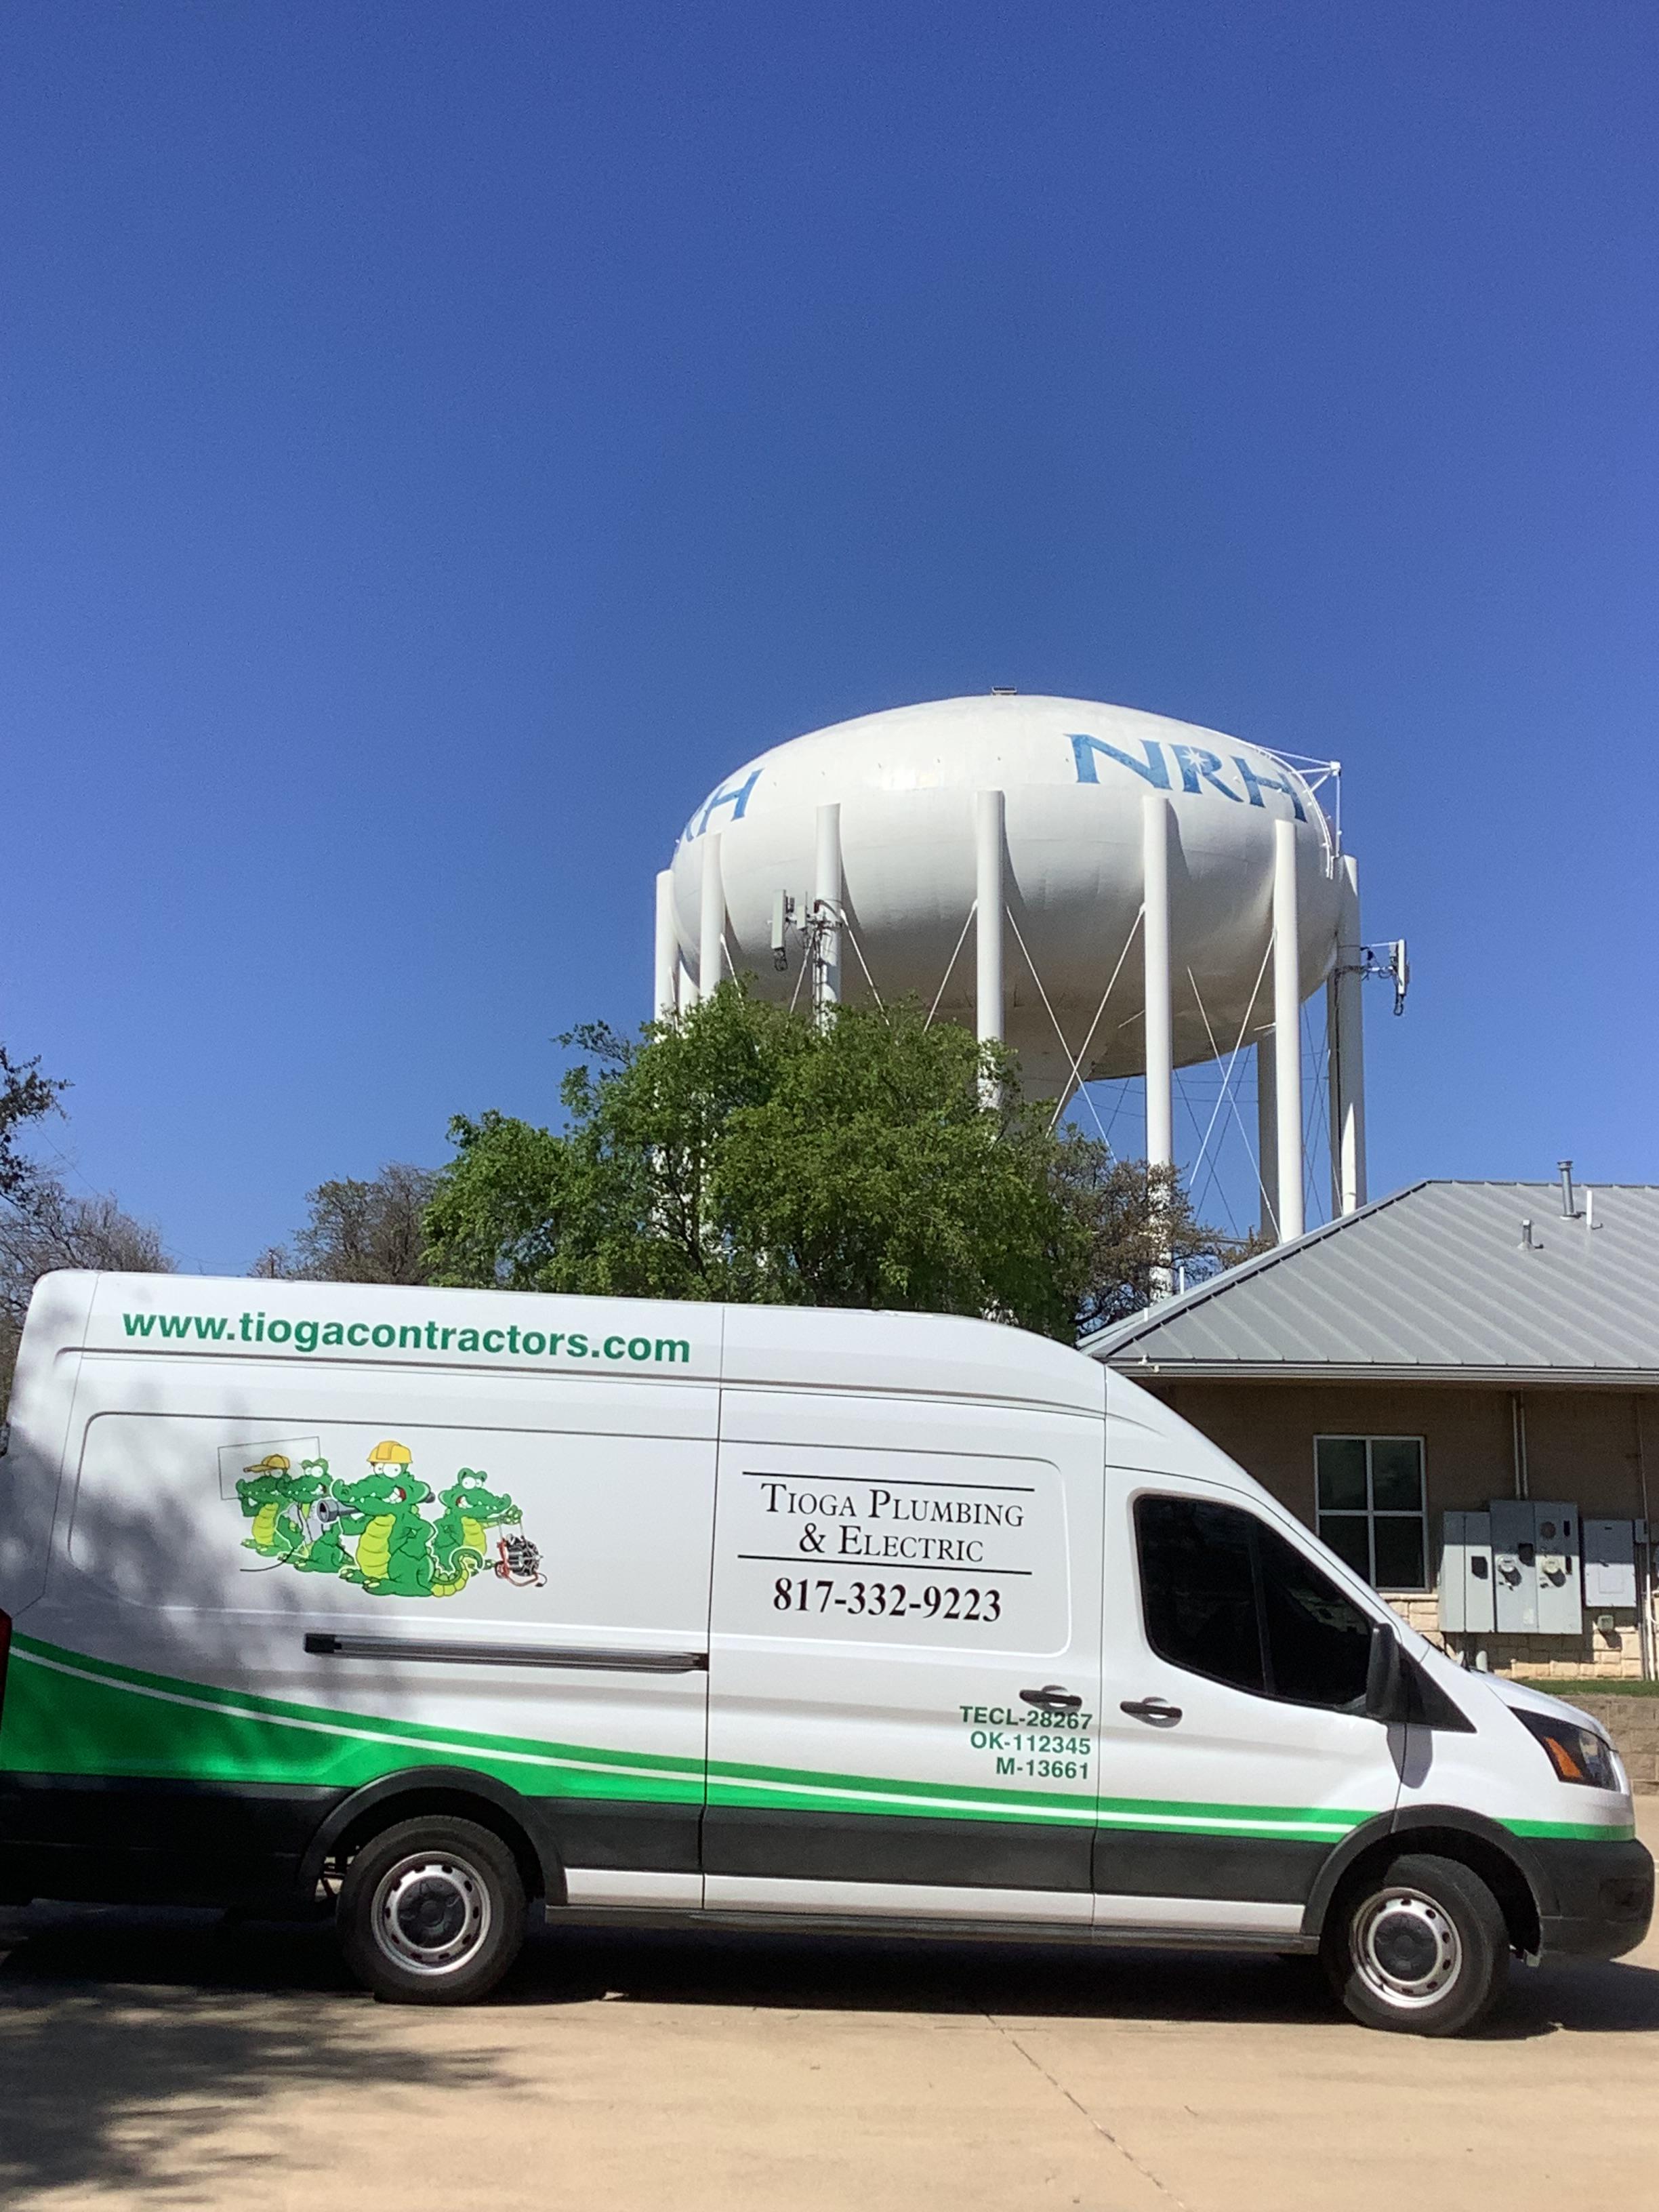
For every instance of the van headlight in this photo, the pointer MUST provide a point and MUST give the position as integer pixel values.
(1577, 1753)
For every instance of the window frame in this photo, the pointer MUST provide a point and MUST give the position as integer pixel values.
(1371, 1513)
(1256, 1523)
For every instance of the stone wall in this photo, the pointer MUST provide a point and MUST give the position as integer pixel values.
(1633, 1725)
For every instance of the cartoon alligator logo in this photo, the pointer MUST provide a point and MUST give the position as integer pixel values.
(278, 1499)
(372, 1532)
(460, 1537)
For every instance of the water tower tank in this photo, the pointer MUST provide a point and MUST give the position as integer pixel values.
(1074, 777)
(889, 824)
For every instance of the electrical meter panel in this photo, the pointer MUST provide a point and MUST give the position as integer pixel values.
(1535, 1547)
(1514, 1566)
(1466, 1575)
(1560, 1585)
(1609, 1564)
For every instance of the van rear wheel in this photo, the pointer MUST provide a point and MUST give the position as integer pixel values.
(432, 1912)
(1421, 1949)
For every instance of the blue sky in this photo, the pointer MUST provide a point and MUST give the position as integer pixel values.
(438, 441)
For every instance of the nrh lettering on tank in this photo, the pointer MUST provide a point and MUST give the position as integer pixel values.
(1196, 769)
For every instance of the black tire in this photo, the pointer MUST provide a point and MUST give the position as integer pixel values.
(432, 1912)
(1420, 1949)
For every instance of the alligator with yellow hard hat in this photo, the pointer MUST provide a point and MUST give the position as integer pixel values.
(393, 1557)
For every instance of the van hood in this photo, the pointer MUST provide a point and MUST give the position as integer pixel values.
(1524, 1699)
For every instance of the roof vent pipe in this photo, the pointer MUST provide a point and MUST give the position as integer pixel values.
(1569, 1210)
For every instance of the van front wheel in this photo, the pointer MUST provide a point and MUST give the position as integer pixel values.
(432, 1912)
(1421, 1949)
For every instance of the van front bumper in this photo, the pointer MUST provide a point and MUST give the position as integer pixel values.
(1601, 1896)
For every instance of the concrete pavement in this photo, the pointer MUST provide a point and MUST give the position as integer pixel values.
(164, 2059)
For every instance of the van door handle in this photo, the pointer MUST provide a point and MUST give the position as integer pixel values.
(1152, 1710)
(1052, 1699)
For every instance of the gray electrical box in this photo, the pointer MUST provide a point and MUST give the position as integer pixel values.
(1466, 1576)
(1560, 1583)
(1535, 1567)
(1609, 1563)
(1514, 1566)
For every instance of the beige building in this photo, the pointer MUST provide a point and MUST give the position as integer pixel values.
(1458, 1387)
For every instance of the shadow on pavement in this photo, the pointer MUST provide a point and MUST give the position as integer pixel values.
(70, 1951)
(802, 1974)
(1617, 1999)
(127, 2038)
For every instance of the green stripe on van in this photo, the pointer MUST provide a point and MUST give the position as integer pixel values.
(66, 1713)
(246, 1706)
(1575, 1832)
(778, 1787)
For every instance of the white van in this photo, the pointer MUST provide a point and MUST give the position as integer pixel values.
(430, 1605)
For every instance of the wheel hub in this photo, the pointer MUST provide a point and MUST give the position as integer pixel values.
(1407, 1948)
(431, 1914)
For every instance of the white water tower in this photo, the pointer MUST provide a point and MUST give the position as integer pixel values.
(1111, 892)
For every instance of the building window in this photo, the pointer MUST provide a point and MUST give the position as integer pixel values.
(1371, 1507)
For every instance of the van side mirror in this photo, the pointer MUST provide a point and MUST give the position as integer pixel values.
(1387, 1694)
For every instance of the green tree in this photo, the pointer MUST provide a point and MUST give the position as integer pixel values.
(746, 1153)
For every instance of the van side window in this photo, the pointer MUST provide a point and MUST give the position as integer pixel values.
(1198, 1588)
(1225, 1595)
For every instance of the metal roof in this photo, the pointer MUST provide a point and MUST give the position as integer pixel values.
(1433, 1282)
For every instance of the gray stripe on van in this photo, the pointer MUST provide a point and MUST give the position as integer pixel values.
(589, 1657)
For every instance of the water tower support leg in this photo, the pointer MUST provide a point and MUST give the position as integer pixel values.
(827, 893)
(1155, 940)
(666, 999)
(988, 823)
(1287, 1031)
(1347, 1072)
(712, 917)
(1266, 1133)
